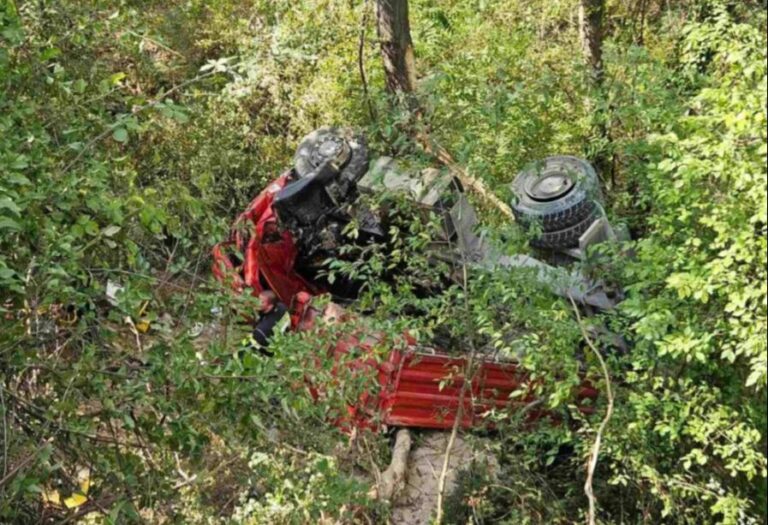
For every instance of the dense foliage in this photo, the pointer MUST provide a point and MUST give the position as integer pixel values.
(131, 132)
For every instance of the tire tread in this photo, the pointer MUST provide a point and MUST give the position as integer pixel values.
(566, 237)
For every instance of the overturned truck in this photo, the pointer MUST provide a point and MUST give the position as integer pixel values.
(278, 247)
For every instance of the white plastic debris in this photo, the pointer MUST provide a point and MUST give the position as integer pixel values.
(196, 330)
(112, 290)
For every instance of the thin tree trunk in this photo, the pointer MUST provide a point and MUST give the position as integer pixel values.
(591, 32)
(394, 32)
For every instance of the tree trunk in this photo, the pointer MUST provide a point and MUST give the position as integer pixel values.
(591, 32)
(394, 33)
(591, 13)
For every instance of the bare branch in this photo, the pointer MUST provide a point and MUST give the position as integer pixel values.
(392, 479)
(5, 432)
(21, 464)
(592, 465)
(468, 373)
(360, 61)
(472, 183)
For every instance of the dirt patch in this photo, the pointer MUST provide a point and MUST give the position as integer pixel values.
(416, 504)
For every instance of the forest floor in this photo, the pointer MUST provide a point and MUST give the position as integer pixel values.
(416, 504)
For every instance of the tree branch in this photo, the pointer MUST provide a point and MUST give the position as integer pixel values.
(155, 102)
(391, 480)
(360, 62)
(472, 183)
(592, 465)
(468, 373)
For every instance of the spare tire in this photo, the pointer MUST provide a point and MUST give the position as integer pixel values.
(567, 237)
(343, 146)
(557, 193)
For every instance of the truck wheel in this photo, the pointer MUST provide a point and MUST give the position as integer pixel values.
(567, 237)
(341, 145)
(555, 193)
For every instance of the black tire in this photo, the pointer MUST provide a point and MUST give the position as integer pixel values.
(567, 237)
(558, 220)
(564, 206)
(306, 159)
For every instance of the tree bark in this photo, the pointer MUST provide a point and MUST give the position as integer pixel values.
(394, 32)
(393, 479)
(591, 32)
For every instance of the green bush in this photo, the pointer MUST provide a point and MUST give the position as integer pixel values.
(131, 133)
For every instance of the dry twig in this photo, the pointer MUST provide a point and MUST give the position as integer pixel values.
(592, 465)
(361, 63)
(468, 373)
(21, 464)
(5, 432)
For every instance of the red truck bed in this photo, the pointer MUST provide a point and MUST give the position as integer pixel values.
(425, 390)
(416, 389)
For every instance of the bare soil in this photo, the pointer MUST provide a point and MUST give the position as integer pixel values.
(415, 505)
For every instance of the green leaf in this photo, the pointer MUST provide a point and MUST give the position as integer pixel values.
(116, 78)
(7, 223)
(91, 228)
(51, 52)
(7, 204)
(17, 179)
(120, 135)
(79, 85)
(19, 163)
(180, 116)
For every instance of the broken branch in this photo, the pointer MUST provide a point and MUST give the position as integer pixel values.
(393, 479)
(470, 182)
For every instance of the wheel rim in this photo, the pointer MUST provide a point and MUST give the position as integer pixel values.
(333, 148)
(550, 185)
